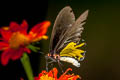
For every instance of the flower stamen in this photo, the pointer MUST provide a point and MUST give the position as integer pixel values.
(18, 39)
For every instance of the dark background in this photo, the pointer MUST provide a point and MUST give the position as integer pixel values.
(101, 34)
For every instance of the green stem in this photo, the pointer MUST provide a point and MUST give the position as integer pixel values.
(27, 67)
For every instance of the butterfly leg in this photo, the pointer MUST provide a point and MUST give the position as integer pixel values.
(47, 63)
(60, 65)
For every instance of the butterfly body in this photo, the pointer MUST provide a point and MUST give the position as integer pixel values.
(65, 38)
(54, 56)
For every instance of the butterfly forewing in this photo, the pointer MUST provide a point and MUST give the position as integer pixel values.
(72, 34)
(63, 22)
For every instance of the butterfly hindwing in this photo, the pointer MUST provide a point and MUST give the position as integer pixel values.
(77, 29)
(62, 23)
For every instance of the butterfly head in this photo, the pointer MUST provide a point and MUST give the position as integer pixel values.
(54, 56)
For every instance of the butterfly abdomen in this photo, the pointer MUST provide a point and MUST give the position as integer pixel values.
(70, 60)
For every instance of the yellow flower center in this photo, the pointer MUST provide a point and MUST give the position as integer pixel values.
(17, 39)
(46, 77)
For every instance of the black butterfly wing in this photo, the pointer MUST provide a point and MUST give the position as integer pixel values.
(63, 21)
(72, 34)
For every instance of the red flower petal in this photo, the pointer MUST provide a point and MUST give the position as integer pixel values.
(24, 27)
(36, 78)
(39, 29)
(5, 56)
(3, 45)
(27, 50)
(12, 54)
(16, 54)
(14, 27)
(6, 34)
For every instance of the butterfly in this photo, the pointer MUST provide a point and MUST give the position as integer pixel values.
(65, 37)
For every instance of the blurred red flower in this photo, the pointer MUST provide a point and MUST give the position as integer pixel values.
(52, 75)
(15, 39)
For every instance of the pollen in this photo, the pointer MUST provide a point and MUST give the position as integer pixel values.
(18, 39)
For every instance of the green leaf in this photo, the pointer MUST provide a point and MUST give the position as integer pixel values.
(33, 48)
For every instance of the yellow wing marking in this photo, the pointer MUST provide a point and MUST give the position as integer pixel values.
(71, 50)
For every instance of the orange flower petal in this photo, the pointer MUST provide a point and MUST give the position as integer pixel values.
(62, 76)
(43, 73)
(52, 72)
(39, 29)
(55, 72)
(76, 77)
(52, 75)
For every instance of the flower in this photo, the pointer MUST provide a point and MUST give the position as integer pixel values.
(14, 40)
(52, 75)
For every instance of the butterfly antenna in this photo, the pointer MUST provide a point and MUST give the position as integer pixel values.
(41, 52)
